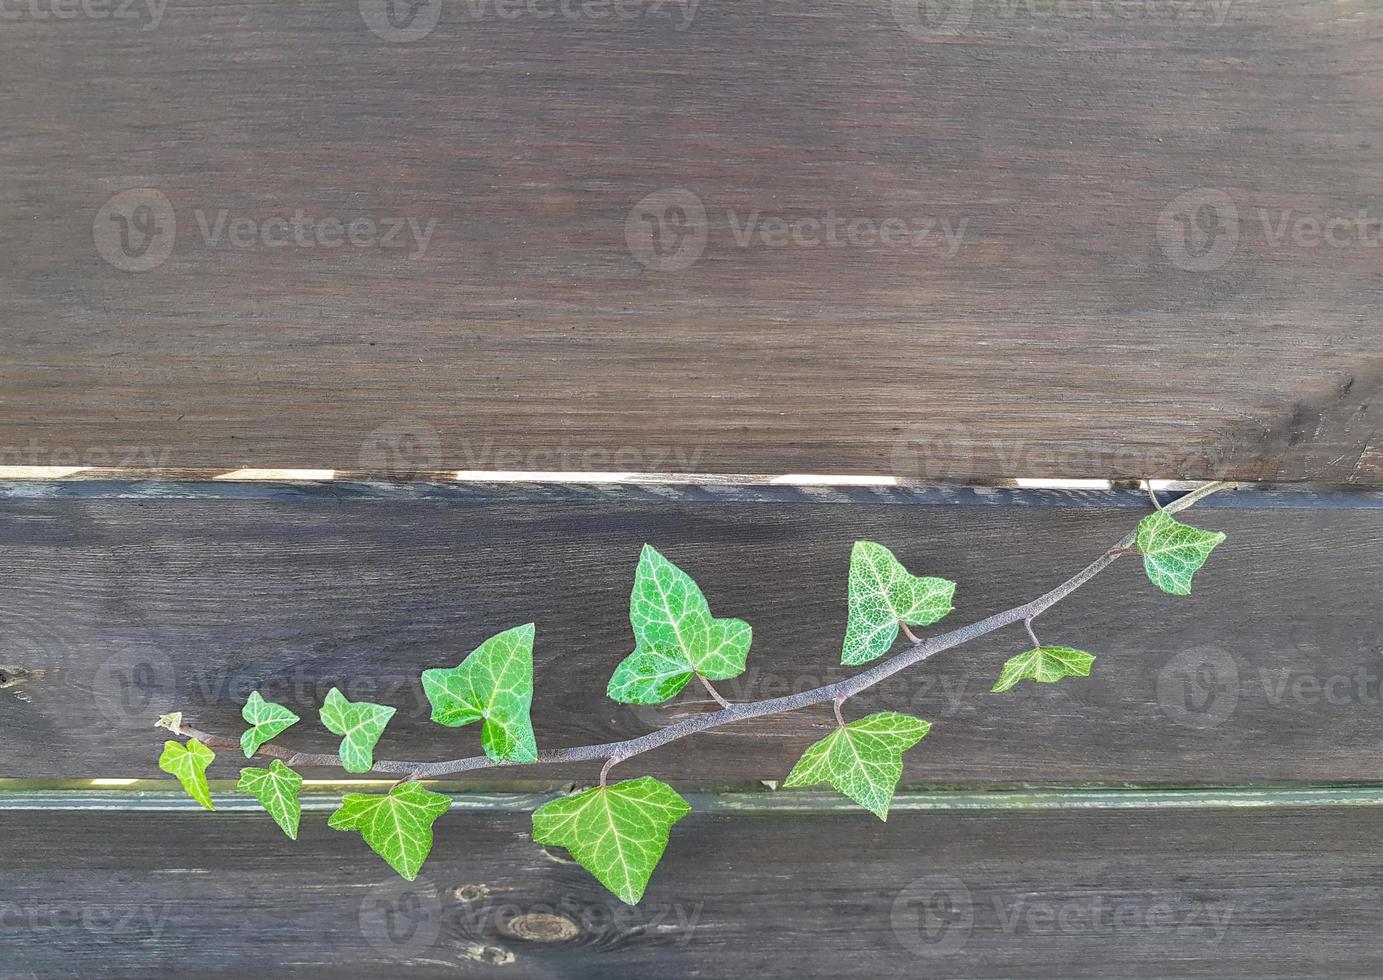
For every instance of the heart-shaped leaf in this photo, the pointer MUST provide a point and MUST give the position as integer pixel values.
(360, 723)
(269, 720)
(881, 594)
(277, 789)
(863, 760)
(398, 827)
(1046, 665)
(495, 684)
(189, 764)
(618, 833)
(675, 636)
(1172, 551)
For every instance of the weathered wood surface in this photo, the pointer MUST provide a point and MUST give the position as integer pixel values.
(1084, 319)
(988, 894)
(121, 601)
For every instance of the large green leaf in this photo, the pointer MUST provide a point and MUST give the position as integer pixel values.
(1172, 551)
(189, 764)
(618, 833)
(360, 723)
(881, 594)
(495, 684)
(863, 760)
(277, 789)
(1046, 665)
(675, 636)
(398, 827)
(268, 720)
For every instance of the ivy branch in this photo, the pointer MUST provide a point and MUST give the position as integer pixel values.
(619, 832)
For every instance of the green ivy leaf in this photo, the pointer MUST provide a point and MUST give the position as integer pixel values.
(276, 788)
(863, 760)
(1046, 665)
(361, 724)
(494, 683)
(883, 593)
(1172, 551)
(269, 720)
(675, 635)
(618, 833)
(189, 764)
(398, 827)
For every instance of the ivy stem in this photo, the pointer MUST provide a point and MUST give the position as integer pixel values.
(605, 769)
(1027, 625)
(1152, 494)
(836, 704)
(712, 691)
(907, 632)
(614, 752)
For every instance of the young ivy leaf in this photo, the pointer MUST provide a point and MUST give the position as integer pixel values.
(618, 833)
(361, 724)
(493, 683)
(675, 636)
(189, 764)
(1172, 551)
(863, 760)
(268, 720)
(398, 827)
(276, 788)
(881, 594)
(1046, 665)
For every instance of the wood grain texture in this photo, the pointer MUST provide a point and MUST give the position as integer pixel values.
(991, 894)
(1060, 336)
(125, 600)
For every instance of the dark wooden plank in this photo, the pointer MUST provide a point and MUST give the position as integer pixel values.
(121, 601)
(1071, 332)
(988, 894)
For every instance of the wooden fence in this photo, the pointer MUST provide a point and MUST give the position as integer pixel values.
(685, 250)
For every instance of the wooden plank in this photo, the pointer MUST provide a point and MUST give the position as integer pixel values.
(1063, 894)
(125, 600)
(1071, 325)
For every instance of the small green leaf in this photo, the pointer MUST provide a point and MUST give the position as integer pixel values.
(398, 827)
(1173, 552)
(269, 720)
(493, 683)
(361, 724)
(675, 636)
(882, 593)
(1046, 665)
(863, 760)
(618, 833)
(276, 788)
(189, 764)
